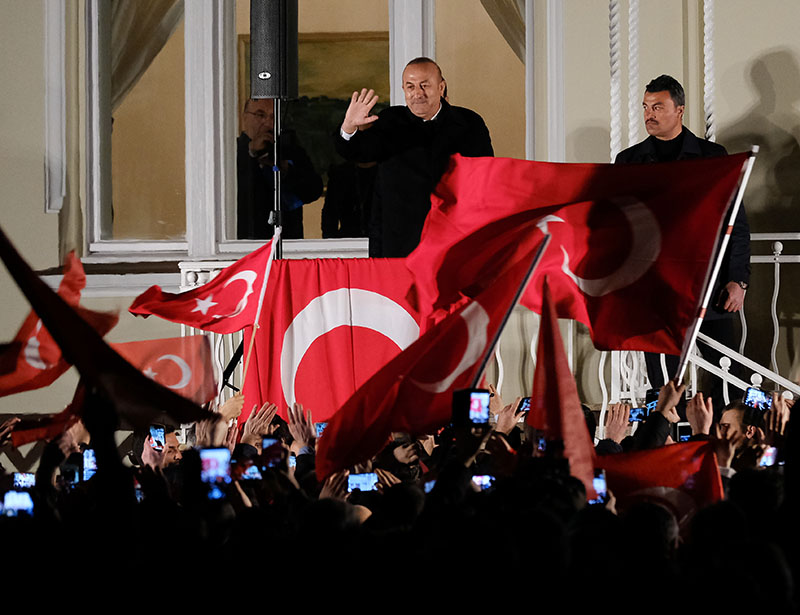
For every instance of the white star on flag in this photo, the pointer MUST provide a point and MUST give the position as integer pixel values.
(203, 305)
(150, 373)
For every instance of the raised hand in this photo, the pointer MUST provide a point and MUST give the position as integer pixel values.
(700, 414)
(617, 419)
(335, 486)
(358, 113)
(495, 401)
(258, 424)
(6, 427)
(232, 408)
(151, 457)
(301, 426)
(406, 453)
(725, 445)
(668, 398)
(508, 417)
(386, 479)
(775, 420)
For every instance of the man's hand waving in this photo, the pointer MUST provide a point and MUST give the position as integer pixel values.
(358, 113)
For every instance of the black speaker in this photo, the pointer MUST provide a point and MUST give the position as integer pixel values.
(273, 49)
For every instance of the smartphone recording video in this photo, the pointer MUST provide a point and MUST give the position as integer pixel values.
(363, 482)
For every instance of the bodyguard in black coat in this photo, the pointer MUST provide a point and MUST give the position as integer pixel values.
(669, 140)
(412, 145)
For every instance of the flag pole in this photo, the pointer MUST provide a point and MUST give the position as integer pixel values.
(690, 339)
(490, 348)
(276, 238)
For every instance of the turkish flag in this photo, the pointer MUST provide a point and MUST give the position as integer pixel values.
(36, 357)
(683, 477)
(326, 327)
(134, 396)
(226, 304)
(413, 393)
(33, 428)
(555, 405)
(182, 364)
(631, 247)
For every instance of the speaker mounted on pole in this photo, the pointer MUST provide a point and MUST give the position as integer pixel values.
(273, 49)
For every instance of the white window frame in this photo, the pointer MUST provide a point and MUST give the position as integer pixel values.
(211, 111)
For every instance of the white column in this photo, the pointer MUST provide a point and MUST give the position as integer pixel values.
(412, 33)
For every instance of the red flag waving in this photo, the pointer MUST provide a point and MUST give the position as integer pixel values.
(226, 304)
(555, 405)
(684, 477)
(182, 364)
(36, 356)
(413, 392)
(631, 243)
(326, 327)
(137, 398)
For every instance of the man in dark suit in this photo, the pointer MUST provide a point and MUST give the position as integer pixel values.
(670, 140)
(412, 145)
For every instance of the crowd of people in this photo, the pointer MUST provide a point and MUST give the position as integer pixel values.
(167, 506)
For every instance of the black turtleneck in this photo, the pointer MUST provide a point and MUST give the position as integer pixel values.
(667, 151)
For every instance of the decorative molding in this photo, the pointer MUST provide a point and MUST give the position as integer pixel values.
(55, 100)
(530, 89)
(121, 285)
(556, 121)
(98, 120)
(412, 33)
(210, 67)
(708, 70)
(634, 91)
(616, 77)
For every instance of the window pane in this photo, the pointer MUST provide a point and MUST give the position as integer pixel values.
(148, 152)
(343, 46)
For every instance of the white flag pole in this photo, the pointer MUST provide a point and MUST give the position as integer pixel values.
(690, 339)
(275, 241)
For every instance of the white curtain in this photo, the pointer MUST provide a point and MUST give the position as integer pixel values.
(139, 30)
(509, 17)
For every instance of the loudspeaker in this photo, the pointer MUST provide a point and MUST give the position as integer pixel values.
(273, 49)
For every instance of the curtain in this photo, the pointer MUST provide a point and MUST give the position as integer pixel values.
(509, 17)
(139, 29)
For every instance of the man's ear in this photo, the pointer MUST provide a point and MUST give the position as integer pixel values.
(680, 111)
(750, 432)
(442, 88)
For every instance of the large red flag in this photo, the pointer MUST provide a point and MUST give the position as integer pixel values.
(631, 243)
(226, 304)
(135, 397)
(36, 357)
(182, 364)
(326, 327)
(555, 405)
(413, 392)
(684, 477)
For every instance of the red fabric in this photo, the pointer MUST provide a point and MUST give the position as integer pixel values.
(641, 235)
(33, 429)
(326, 327)
(136, 398)
(413, 392)
(226, 304)
(683, 477)
(36, 356)
(555, 405)
(182, 364)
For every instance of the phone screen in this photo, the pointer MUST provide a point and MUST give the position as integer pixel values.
(272, 452)
(524, 405)
(320, 427)
(758, 399)
(479, 406)
(89, 464)
(638, 414)
(24, 480)
(600, 487)
(483, 481)
(157, 437)
(363, 482)
(16, 502)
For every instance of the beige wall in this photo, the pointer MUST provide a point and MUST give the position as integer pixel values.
(482, 72)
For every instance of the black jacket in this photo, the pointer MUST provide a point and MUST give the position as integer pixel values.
(412, 155)
(736, 264)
